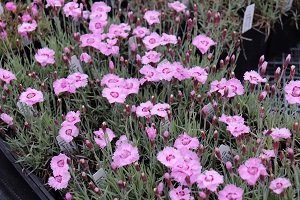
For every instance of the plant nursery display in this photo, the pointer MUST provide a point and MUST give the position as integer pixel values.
(140, 100)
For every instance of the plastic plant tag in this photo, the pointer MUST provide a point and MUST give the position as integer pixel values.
(132, 40)
(66, 146)
(1, 9)
(287, 5)
(25, 109)
(226, 153)
(210, 112)
(75, 65)
(248, 18)
(164, 125)
(100, 176)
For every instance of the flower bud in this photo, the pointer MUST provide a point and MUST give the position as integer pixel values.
(296, 127)
(218, 154)
(262, 112)
(137, 166)
(166, 136)
(68, 196)
(144, 177)
(229, 167)
(236, 160)
(263, 68)
(287, 61)
(98, 191)
(216, 135)
(208, 16)
(168, 180)
(291, 155)
(89, 144)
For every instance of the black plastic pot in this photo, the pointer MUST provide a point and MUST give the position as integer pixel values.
(16, 183)
(282, 37)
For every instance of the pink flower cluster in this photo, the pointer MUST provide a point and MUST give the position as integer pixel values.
(45, 56)
(147, 109)
(202, 42)
(27, 27)
(31, 97)
(254, 78)
(125, 153)
(235, 125)
(71, 83)
(182, 161)
(292, 90)
(61, 174)
(154, 40)
(7, 76)
(278, 133)
(166, 71)
(252, 170)
(228, 88)
(118, 88)
(69, 129)
(102, 137)
(75, 10)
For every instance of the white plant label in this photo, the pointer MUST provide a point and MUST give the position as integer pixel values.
(132, 40)
(66, 146)
(226, 153)
(210, 111)
(164, 125)
(287, 5)
(75, 65)
(25, 109)
(248, 18)
(1, 9)
(100, 176)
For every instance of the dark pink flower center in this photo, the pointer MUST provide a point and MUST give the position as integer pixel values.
(234, 88)
(30, 95)
(68, 132)
(209, 178)
(166, 70)
(90, 40)
(112, 81)
(58, 178)
(114, 94)
(186, 141)
(231, 196)
(296, 92)
(181, 193)
(204, 42)
(64, 84)
(46, 55)
(152, 41)
(98, 25)
(152, 17)
(141, 32)
(278, 185)
(196, 74)
(6, 76)
(71, 119)
(252, 170)
(125, 154)
(170, 157)
(129, 85)
(60, 163)
(78, 78)
(145, 109)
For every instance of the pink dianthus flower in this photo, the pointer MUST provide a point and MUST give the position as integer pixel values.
(71, 118)
(45, 56)
(59, 163)
(31, 96)
(59, 180)
(152, 17)
(203, 43)
(102, 137)
(279, 184)
(252, 170)
(186, 141)
(231, 192)
(125, 154)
